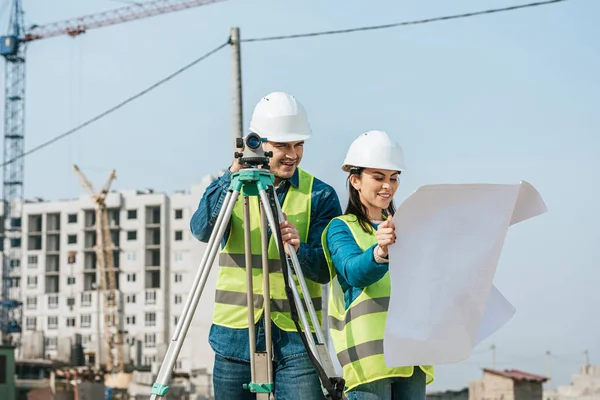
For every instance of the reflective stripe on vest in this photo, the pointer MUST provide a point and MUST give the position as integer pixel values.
(230, 298)
(357, 333)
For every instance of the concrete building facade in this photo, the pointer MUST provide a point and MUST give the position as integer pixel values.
(507, 385)
(585, 385)
(156, 258)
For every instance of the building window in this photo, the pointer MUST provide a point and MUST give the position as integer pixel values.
(150, 297)
(32, 261)
(176, 320)
(150, 319)
(148, 360)
(71, 239)
(15, 282)
(72, 218)
(131, 235)
(178, 256)
(70, 280)
(86, 321)
(86, 299)
(130, 277)
(51, 343)
(53, 301)
(179, 213)
(131, 214)
(31, 323)
(70, 301)
(71, 322)
(31, 302)
(178, 235)
(130, 298)
(130, 320)
(178, 299)
(31, 282)
(131, 256)
(179, 365)
(178, 278)
(52, 322)
(150, 340)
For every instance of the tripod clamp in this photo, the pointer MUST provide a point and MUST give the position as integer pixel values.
(253, 181)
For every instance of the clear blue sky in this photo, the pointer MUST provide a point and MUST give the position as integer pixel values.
(491, 99)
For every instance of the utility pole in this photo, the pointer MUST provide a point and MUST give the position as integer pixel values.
(587, 357)
(549, 367)
(493, 348)
(236, 74)
(587, 361)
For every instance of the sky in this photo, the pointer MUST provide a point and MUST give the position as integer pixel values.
(491, 99)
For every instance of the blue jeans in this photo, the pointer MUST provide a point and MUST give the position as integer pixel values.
(295, 378)
(293, 373)
(411, 388)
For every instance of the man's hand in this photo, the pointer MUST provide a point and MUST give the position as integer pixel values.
(386, 235)
(289, 234)
(235, 165)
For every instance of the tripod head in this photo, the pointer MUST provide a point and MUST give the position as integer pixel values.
(252, 154)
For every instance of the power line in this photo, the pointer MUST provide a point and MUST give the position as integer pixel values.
(264, 39)
(116, 107)
(405, 23)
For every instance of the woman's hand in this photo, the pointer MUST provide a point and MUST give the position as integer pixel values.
(386, 235)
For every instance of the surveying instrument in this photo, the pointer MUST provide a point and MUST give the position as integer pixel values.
(255, 179)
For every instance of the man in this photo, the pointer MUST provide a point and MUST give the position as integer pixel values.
(309, 204)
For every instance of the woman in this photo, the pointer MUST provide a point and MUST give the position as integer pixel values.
(356, 249)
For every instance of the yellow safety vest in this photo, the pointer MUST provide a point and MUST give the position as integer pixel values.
(230, 308)
(357, 333)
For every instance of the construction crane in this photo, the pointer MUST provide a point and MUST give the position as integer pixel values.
(13, 49)
(113, 339)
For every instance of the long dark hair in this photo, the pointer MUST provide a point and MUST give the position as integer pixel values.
(357, 208)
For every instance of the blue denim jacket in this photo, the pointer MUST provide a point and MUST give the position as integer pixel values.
(356, 269)
(233, 343)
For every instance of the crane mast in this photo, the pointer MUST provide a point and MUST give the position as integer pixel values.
(13, 48)
(113, 342)
(13, 174)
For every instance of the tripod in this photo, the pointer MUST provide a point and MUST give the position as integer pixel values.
(252, 181)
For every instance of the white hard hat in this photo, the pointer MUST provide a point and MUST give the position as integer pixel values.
(374, 149)
(279, 117)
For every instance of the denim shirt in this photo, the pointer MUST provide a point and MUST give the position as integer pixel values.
(325, 205)
(356, 269)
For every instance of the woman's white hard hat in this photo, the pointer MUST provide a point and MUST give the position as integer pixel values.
(279, 117)
(374, 149)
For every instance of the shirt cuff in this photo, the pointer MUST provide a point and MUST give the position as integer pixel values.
(225, 179)
(379, 260)
(303, 253)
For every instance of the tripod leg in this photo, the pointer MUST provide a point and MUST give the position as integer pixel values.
(267, 293)
(321, 346)
(260, 362)
(160, 388)
(249, 287)
(303, 287)
(333, 386)
(304, 320)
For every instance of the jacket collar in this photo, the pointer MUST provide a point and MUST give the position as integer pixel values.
(294, 180)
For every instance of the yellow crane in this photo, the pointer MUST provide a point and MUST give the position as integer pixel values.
(113, 338)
